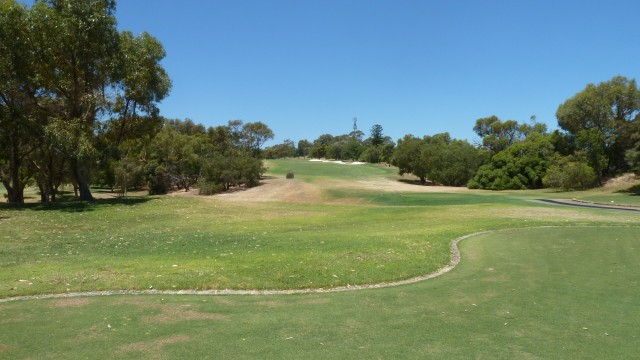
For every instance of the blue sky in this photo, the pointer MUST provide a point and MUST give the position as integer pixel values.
(307, 67)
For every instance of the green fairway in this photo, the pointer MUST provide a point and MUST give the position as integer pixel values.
(516, 286)
(316, 170)
(571, 289)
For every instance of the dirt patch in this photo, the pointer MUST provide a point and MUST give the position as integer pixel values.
(389, 185)
(175, 314)
(286, 190)
(71, 302)
(170, 314)
(622, 181)
(270, 304)
(154, 348)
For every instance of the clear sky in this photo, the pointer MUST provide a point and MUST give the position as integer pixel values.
(307, 67)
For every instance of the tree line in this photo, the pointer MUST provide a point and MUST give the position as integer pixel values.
(78, 105)
(599, 137)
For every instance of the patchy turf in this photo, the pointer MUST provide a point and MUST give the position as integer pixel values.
(571, 289)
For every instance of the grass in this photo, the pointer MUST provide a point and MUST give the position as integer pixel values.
(310, 170)
(516, 288)
(571, 289)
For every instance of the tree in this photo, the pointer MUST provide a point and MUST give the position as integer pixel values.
(449, 161)
(17, 99)
(304, 148)
(284, 150)
(255, 135)
(609, 111)
(77, 46)
(496, 135)
(377, 138)
(569, 173)
(520, 166)
(407, 157)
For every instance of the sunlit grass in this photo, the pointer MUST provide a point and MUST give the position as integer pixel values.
(543, 293)
(316, 170)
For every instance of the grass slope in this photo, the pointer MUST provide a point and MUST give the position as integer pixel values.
(570, 288)
(531, 293)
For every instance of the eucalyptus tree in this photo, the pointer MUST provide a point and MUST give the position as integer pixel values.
(605, 120)
(17, 98)
(77, 47)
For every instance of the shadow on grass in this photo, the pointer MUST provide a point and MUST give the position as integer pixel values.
(78, 206)
(633, 191)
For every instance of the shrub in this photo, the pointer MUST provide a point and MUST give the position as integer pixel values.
(209, 188)
(570, 173)
(289, 174)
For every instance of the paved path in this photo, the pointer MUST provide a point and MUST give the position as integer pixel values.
(583, 204)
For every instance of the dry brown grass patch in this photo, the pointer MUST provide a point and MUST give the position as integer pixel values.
(154, 348)
(71, 302)
(175, 314)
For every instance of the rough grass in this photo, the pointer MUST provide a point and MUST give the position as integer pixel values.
(530, 293)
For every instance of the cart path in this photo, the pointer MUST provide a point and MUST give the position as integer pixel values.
(585, 204)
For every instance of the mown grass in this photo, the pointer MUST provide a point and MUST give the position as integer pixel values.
(525, 293)
(316, 170)
(195, 243)
(514, 290)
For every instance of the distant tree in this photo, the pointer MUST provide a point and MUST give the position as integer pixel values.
(377, 137)
(255, 135)
(319, 147)
(408, 157)
(278, 151)
(304, 148)
(449, 161)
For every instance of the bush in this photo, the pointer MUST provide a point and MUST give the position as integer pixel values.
(209, 188)
(569, 174)
(289, 174)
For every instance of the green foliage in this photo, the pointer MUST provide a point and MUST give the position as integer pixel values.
(438, 158)
(290, 174)
(209, 188)
(520, 166)
(604, 120)
(304, 148)
(570, 173)
(58, 60)
(377, 138)
(279, 151)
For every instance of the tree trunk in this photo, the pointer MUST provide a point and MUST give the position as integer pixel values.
(423, 180)
(81, 173)
(15, 188)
